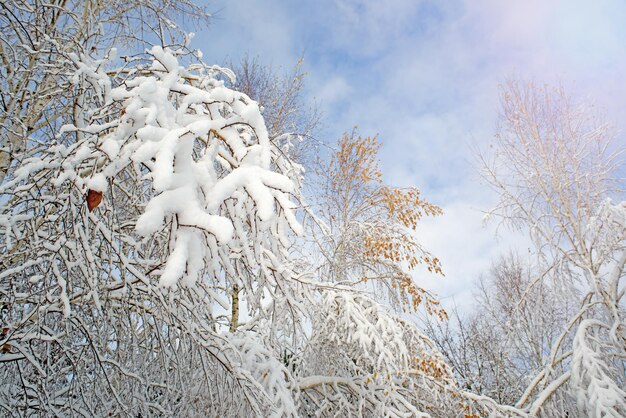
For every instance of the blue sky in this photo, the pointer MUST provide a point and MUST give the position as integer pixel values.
(424, 75)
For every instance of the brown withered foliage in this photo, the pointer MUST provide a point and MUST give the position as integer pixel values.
(378, 223)
(94, 198)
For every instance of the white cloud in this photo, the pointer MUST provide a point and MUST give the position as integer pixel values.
(250, 27)
(370, 24)
(332, 90)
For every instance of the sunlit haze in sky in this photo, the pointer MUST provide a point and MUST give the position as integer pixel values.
(424, 75)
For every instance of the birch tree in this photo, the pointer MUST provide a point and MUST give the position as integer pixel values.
(554, 165)
(499, 347)
(369, 234)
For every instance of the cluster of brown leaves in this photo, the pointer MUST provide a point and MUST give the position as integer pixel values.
(432, 367)
(389, 216)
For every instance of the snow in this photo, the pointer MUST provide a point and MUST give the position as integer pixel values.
(176, 261)
(110, 147)
(164, 119)
(98, 183)
(167, 61)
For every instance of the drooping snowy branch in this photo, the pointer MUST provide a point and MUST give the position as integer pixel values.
(191, 201)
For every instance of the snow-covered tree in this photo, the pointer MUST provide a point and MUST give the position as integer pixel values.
(368, 228)
(135, 193)
(192, 201)
(499, 347)
(554, 166)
